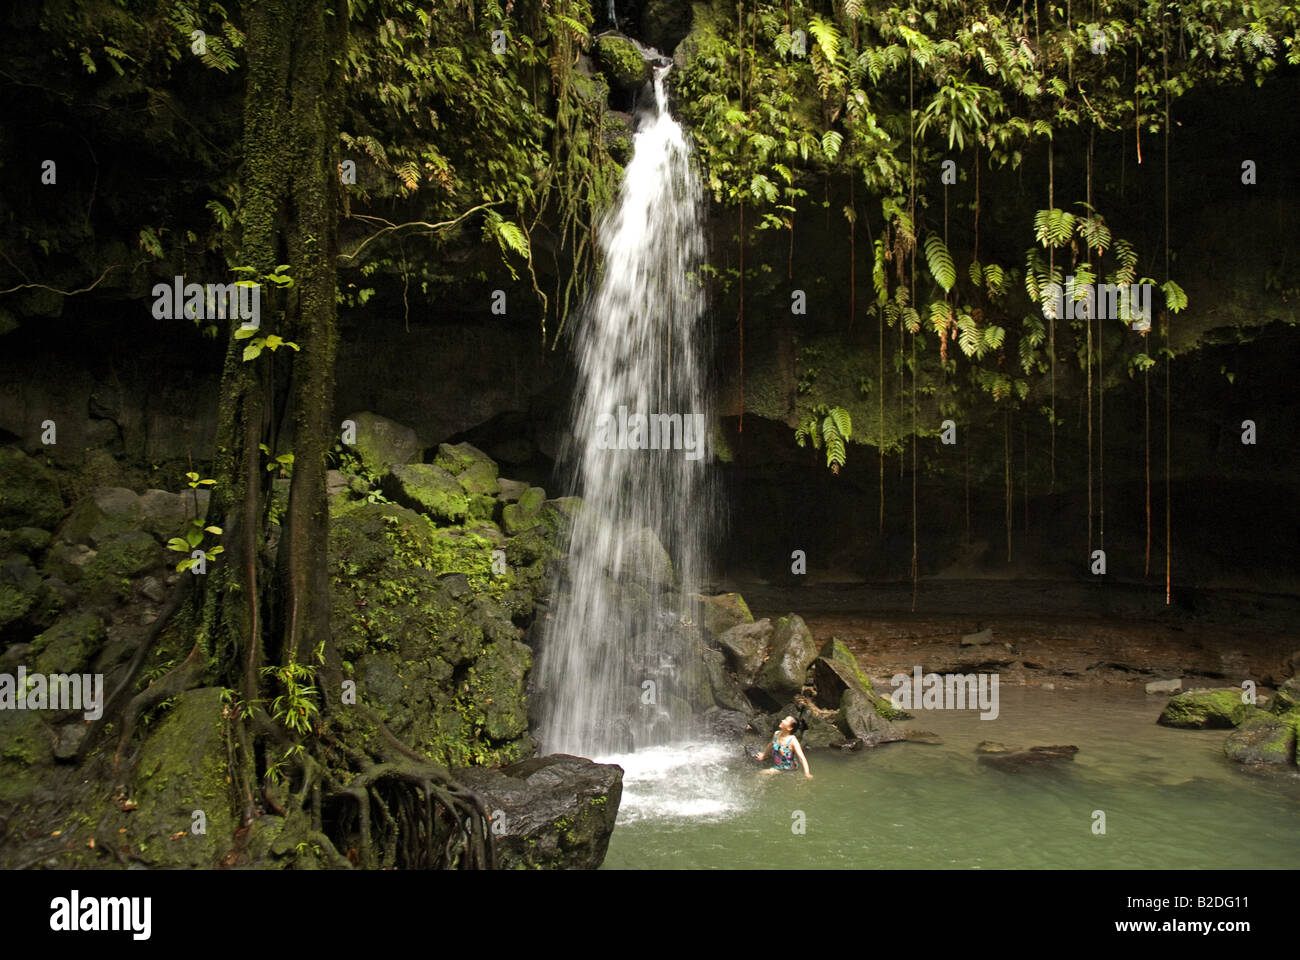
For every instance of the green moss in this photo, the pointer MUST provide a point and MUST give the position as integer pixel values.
(429, 489)
(1206, 709)
(118, 558)
(69, 645)
(29, 492)
(621, 62)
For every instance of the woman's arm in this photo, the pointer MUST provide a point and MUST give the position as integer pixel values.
(802, 759)
(763, 755)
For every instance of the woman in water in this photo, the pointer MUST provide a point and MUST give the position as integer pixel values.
(784, 748)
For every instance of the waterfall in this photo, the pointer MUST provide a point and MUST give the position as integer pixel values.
(619, 656)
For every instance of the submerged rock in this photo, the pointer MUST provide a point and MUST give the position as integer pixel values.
(1030, 759)
(550, 812)
(1205, 709)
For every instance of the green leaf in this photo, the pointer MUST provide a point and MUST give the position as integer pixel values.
(940, 262)
(253, 350)
(179, 545)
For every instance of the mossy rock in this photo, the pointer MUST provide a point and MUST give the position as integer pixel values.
(429, 489)
(107, 575)
(517, 517)
(382, 443)
(474, 469)
(621, 62)
(107, 512)
(617, 134)
(498, 689)
(26, 751)
(29, 492)
(837, 651)
(422, 615)
(1263, 738)
(720, 613)
(1206, 709)
(183, 768)
(70, 644)
(28, 541)
(1287, 697)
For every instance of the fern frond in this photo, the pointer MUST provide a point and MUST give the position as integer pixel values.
(940, 262)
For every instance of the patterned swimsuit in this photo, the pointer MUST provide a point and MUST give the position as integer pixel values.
(783, 756)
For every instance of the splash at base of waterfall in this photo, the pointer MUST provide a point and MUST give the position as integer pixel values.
(684, 781)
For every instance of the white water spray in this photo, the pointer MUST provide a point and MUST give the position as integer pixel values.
(619, 658)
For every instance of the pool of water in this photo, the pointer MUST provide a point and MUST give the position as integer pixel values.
(1170, 798)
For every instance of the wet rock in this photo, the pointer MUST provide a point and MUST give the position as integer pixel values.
(1262, 738)
(621, 62)
(745, 646)
(640, 557)
(1164, 686)
(991, 746)
(820, 731)
(720, 613)
(985, 636)
(1205, 709)
(552, 812)
(382, 443)
(727, 691)
(860, 721)
(924, 736)
(793, 652)
(1033, 758)
(725, 724)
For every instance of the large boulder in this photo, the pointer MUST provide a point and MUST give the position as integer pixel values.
(29, 492)
(860, 721)
(69, 645)
(1262, 738)
(165, 514)
(836, 669)
(550, 812)
(727, 690)
(621, 62)
(640, 557)
(745, 647)
(720, 613)
(183, 770)
(429, 489)
(1205, 709)
(422, 623)
(107, 512)
(473, 469)
(793, 652)
(382, 443)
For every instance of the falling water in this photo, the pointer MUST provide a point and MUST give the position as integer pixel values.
(619, 659)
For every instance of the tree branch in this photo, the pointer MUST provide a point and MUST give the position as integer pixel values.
(390, 227)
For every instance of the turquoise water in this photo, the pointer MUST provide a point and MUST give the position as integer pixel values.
(1170, 798)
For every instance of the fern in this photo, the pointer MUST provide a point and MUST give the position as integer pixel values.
(831, 141)
(828, 427)
(940, 262)
(1175, 298)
